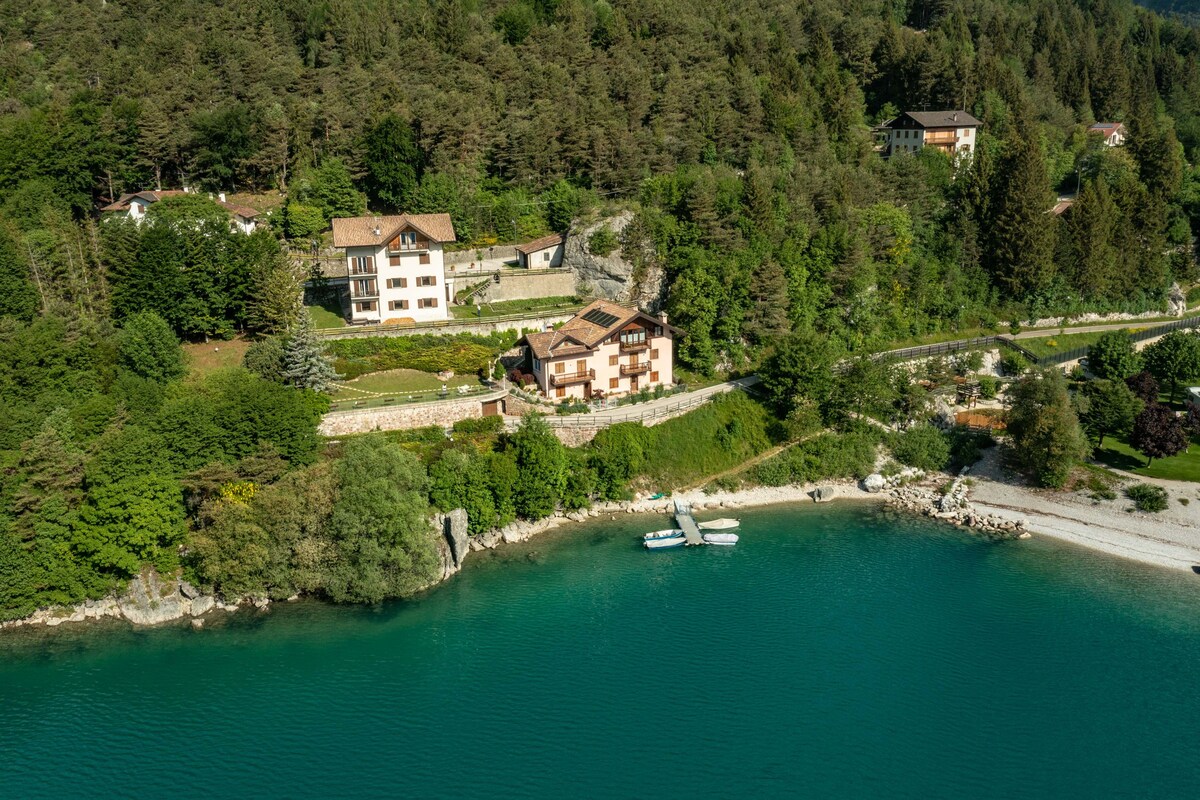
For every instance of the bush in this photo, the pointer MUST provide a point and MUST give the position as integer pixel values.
(602, 242)
(1013, 363)
(966, 447)
(1147, 497)
(968, 362)
(832, 455)
(922, 446)
(988, 386)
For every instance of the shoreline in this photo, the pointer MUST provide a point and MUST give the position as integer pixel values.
(1169, 540)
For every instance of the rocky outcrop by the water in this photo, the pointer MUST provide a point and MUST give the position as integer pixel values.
(954, 506)
(149, 599)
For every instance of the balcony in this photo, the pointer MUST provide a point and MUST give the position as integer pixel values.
(369, 292)
(363, 270)
(569, 378)
(635, 347)
(635, 369)
(407, 247)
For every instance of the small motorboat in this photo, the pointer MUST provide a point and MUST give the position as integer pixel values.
(718, 524)
(720, 538)
(668, 533)
(665, 542)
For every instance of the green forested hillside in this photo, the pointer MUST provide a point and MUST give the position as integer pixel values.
(739, 130)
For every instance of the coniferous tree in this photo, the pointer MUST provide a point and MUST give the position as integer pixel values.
(1022, 239)
(305, 364)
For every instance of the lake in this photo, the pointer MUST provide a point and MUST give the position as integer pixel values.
(836, 651)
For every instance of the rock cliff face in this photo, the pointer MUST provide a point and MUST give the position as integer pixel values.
(615, 276)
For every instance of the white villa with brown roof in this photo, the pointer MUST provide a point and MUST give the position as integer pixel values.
(242, 218)
(543, 253)
(604, 350)
(395, 266)
(952, 132)
(1113, 132)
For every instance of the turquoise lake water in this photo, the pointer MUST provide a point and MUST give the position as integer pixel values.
(835, 652)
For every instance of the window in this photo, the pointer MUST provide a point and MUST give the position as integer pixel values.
(560, 368)
(393, 261)
(364, 287)
(397, 305)
(368, 305)
(614, 383)
(560, 391)
(397, 283)
(423, 258)
(537, 365)
(654, 377)
(546, 256)
(427, 302)
(612, 361)
(427, 280)
(362, 264)
(634, 337)
(653, 354)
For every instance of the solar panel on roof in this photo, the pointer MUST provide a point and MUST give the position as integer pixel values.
(599, 317)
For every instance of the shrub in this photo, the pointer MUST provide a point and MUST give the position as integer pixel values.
(602, 242)
(922, 446)
(988, 386)
(1147, 497)
(968, 362)
(966, 447)
(1013, 363)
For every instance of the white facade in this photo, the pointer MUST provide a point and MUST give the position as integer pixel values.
(398, 281)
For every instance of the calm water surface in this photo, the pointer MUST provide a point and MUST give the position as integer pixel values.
(835, 652)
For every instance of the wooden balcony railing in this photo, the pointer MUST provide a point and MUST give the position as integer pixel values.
(635, 369)
(635, 347)
(408, 247)
(568, 378)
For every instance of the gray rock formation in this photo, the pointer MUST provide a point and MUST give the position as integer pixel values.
(151, 601)
(874, 483)
(614, 276)
(454, 528)
(1176, 301)
(823, 493)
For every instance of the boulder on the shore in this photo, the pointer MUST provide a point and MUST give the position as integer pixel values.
(874, 483)
(823, 494)
(454, 528)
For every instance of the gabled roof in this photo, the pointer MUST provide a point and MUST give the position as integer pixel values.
(123, 202)
(1106, 128)
(936, 119)
(553, 240)
(593, 324)
(361, 231)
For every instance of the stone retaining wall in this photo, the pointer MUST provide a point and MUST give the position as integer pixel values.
(479, 327)
(506, 252)
(519, 285)
(395, 418)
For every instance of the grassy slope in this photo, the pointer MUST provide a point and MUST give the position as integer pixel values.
(1183, 467)
(395, 381)
(203, 359)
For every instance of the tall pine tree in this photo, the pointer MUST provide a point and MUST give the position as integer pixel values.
(305, 364)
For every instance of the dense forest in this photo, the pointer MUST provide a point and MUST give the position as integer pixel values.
(740, 135)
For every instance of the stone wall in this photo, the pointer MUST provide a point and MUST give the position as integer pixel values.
(481, 327)
(395, 418)
(529, 285)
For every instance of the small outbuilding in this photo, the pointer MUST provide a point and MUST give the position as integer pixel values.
(543, 253)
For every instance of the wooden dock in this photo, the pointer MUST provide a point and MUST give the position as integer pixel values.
(684, 519)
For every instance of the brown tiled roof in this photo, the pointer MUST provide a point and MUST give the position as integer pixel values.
(553, 240)
(938, 119)
(1062, 205)
(360, 231)
(1106, 128)
(241, 211)
(579, 335)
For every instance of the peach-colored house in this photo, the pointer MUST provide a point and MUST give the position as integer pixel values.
(604, 350)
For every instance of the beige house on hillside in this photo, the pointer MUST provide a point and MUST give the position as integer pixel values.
(1114, 133)
(543, 253)
(242, 219)
(952, 132)
(395, 267)
(604, 350)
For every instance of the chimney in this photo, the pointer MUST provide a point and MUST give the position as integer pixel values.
(663, 316)
(222, 196)
(376, 227)
(956, 116)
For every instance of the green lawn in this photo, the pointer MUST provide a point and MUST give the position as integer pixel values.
(1183, 467)
(507, 307)
(1050, 345)
(398, 381)
(327, 314)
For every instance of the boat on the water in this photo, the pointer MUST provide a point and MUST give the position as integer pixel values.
(718, 524)
(666, 542)
(719, 538)
(667, 533)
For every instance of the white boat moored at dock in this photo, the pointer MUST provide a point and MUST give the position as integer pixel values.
(665, 542)
(720, 538)
(667, 533)
(718, 524)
